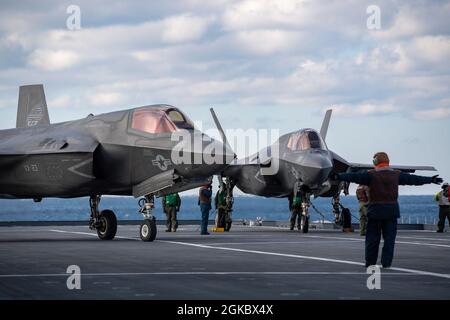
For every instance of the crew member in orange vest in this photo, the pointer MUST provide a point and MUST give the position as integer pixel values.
(382, 208)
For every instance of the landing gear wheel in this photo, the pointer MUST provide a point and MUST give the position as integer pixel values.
(147, 230)
(107, 228)
(304, 226)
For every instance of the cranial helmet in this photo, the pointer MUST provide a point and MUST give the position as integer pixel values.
(380, 157)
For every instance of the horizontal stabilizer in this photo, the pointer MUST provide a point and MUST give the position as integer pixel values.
(32, 108)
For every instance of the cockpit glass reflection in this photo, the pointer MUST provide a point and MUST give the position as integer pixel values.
(153, 120)
(305, 140)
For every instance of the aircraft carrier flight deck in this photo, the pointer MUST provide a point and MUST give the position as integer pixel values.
(246, 263)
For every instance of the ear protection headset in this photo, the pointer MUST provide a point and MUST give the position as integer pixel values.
(375, 160)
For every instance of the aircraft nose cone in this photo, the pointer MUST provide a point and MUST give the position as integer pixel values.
(316, 168)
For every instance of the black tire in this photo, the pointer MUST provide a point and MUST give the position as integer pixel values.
(108, 225)
(147, 231)
(305, 224)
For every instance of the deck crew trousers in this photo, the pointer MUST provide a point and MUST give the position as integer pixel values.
(444, 213)
(375, 229)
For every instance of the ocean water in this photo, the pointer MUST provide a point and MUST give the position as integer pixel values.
(414, 209)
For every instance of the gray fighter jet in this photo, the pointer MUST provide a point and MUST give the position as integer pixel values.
(298, 163)
(126, 152)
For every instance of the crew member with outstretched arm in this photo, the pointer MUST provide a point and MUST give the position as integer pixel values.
(382, 208)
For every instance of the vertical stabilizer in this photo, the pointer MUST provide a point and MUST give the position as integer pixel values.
(325, 124)
(32, 108)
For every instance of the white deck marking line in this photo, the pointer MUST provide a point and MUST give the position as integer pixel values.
(419, 272)
(318, 237)
(401, 242)
(419, 238)
(264, 242)
(89, 234)
(184, 273)
(325, 230)
(433, 274)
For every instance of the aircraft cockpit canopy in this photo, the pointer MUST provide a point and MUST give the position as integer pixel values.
(154, 120)
(306, 139)
(180, 119)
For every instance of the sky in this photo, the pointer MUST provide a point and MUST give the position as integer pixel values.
(259, 63)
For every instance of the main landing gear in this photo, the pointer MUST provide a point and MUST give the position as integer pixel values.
(104, 222)
(147, 231)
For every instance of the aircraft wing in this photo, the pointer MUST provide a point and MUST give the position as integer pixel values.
(341, 165)
(410, 169)
(16, 149)
(47, 144)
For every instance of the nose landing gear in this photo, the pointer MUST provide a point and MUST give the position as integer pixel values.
(336, 203)
(147, 230)
(304, 221)
(305, 196)
(228, 186)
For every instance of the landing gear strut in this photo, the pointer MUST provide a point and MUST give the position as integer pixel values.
(304, 221)
(104, 222)
(228, 186)
(336, 203)
(306, 203)
(147, 231)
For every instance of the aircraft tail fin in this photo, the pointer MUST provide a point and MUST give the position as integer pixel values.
(219, 127)
(325, 124)
(32, 108)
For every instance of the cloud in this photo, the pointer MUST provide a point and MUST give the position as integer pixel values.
(183, 28)
(105, 98)
(7, 103)
(413, 20)
(434, 49)
(59, 102)
(260, 14)
(53, 60)
(254, 52)
(266, 41)
(432, 114)
(363, 110)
